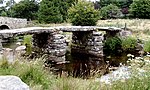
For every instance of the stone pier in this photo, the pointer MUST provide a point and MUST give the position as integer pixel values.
(52, 44)
(87, 42)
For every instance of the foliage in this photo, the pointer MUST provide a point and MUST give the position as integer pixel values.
(25, 9)
(110, 11)
(119, 3)
(28, 42)
(112, 45)
(49, 13)
(64, 5)
(129, 43)
(3, 13)
(147, 46)
(83, 13)
(54, 11)
(140, 9)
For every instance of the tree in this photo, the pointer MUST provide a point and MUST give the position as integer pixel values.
(119, 3)
(63, 6)
(122, 4)
(3, 13)
(25, 9)
(140, 9)
(110, 11)
(49, 12)
(54, 11)
(83, 13)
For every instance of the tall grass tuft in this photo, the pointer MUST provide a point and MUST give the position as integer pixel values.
(129, 43)
(147, 46)
(31, 73)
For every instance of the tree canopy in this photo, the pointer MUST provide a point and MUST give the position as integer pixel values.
(54, 11)
(83, 13)
(140, 9)
(25, 9)
(110, 11)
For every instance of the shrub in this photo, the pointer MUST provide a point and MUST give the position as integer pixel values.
(110, 11)
(129, 43)
(112, 45)
(147, 46)
(140, 9)
(83, 13)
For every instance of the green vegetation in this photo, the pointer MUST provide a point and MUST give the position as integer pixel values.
(115, 45)
(54, 11)
(83, 13)
(49, 14)
(25, 9)
(129, 43)
(112, 45)
(147, 46)
(39, 78)
(28, 43)
(140, 9)
(110, 11)
(119, 3)
(31, 73)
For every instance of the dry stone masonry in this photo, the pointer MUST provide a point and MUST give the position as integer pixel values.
(53, 44)
(13, 23)
(50, 40)
(87, 42)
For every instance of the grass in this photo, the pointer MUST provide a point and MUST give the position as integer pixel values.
(31, 73)
(147, 46)
(129, 43)
(38, 78)
(139, 27)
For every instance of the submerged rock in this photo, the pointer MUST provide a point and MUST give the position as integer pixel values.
(12, 83)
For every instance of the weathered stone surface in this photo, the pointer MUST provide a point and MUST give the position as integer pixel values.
(38, 30)
(90, 43)
(13, 23)
(52, 44)
(56, 58)
(12, 83)
(124, 33)
(1, 45)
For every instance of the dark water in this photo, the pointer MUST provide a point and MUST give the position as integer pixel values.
(86, 66)
(81, 65)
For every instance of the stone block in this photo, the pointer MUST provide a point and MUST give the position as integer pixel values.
(97, 33)
(98, 43)
(12, 83)
(56, 59)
